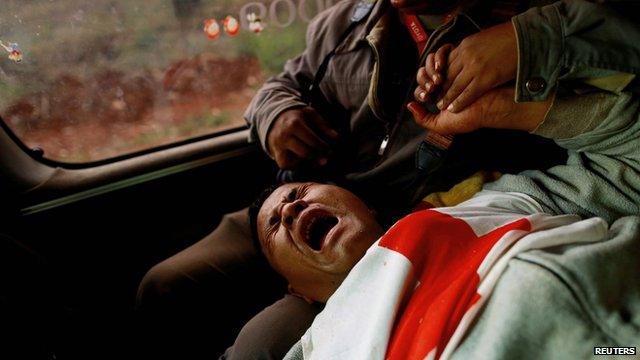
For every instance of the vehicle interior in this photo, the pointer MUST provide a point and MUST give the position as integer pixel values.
(122, 142)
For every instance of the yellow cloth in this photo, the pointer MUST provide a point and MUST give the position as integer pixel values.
(614, 83)
(462, 191)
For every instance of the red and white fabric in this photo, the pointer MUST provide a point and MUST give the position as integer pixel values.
(419, 288)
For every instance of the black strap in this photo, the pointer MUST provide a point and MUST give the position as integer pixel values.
(313, 97)
(322, 70)
(361, 12)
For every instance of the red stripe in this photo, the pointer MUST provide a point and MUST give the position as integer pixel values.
(445, 254)
(419, 35)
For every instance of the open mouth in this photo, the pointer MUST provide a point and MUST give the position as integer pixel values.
(317, 229)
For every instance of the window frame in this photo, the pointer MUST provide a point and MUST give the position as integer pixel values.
(31, 152)
(38, 184)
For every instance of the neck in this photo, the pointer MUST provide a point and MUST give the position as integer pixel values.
(432, 21)
(452, 8)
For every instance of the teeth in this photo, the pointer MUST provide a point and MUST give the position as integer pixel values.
(309, 227)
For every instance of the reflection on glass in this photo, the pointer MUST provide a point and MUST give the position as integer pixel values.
(108, 77)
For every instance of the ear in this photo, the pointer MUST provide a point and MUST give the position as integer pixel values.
(293, 292)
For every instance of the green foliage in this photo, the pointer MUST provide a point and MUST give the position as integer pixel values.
(274, 46)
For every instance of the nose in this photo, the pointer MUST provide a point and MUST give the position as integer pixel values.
(290, 212)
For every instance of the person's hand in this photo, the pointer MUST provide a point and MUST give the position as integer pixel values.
(481, 62)
(432, 74)
(297, 135)
(495, 109)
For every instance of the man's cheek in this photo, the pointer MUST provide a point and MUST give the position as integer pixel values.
(425, 7)
(405, 4)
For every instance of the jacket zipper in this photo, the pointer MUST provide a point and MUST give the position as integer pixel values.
(391, 130)
(375, 105)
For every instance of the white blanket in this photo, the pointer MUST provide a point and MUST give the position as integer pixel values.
(418, 289)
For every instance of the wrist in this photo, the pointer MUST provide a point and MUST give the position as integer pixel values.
(271, 136)
(502, 112)
(509, 53)
(535, 114)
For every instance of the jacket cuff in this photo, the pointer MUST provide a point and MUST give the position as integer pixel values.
(573, 115)
(259, 130)
(540, 48)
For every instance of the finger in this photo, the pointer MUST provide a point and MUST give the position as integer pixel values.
(286, 160)
(421, 76)
(317, 122)
(432, 74)
(417, 111)
(421, 94)
(421, 116)
(468, 96)
(453, 71)
(453, 55)
(423, 80)
(441, 57)
(304, 151)
(457, 87)
(299, 148)
(305, 134)
(443, 123)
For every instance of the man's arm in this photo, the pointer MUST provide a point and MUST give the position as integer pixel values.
(600, 130)
(284, 91)
(571, 39)
(574, 39)
(279, 93)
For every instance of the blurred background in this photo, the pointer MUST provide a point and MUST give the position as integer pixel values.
(105, 78)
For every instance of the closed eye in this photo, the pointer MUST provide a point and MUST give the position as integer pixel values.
(297, 193)
(293, 195)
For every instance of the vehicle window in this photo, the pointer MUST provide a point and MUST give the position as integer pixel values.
(90, 80)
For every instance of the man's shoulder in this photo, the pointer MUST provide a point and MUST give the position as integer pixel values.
(333, 21)
(341, 10)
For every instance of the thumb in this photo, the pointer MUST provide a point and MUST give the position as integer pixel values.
(287, 160)
(422, 117)
(320, 124)
(444, 122)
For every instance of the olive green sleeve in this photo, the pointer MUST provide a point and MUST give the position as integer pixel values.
(570, 39)
(601, 132)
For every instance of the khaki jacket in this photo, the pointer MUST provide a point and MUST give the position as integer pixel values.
(363, 81)
(368, 80)
(373, 74)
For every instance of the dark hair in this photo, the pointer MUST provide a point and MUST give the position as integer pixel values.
(254, 209)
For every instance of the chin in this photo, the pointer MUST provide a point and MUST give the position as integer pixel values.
(426, 8)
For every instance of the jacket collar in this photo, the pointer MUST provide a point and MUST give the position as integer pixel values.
(360, 33)
(479, 11)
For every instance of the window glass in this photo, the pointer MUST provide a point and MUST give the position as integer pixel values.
(89, 80)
